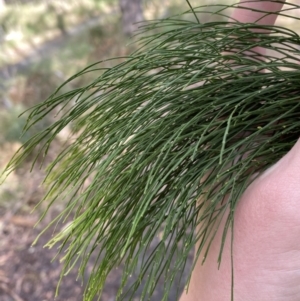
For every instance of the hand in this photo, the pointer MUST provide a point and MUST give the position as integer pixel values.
(261, 12)
(266, 248)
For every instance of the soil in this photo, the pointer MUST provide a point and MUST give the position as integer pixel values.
(29, 273)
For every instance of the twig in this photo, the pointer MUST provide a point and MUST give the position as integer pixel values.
(4, 288)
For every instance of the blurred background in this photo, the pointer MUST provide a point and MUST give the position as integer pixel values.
(42, 44)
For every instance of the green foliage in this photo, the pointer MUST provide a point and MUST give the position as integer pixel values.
(12, 125)
(164, 136)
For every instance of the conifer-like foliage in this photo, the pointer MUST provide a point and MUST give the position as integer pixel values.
(170, 139)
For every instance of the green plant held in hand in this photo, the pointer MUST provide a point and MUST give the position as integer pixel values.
(171, 138)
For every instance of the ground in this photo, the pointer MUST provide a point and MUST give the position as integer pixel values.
(29, 273)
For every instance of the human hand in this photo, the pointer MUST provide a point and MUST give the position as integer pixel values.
(260, 12)
(266, 245)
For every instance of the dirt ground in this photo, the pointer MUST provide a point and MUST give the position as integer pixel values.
(27, 273)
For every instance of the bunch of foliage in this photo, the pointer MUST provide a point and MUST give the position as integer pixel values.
(170, 138)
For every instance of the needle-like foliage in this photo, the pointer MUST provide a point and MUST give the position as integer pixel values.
(169, 140)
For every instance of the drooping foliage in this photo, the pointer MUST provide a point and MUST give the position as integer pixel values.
(169, 140)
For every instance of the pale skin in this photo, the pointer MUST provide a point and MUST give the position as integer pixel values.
(266, 248)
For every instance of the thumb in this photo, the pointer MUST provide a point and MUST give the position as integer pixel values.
(288, 167)
(272, 201)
